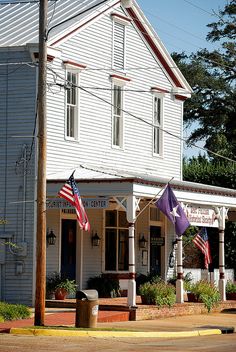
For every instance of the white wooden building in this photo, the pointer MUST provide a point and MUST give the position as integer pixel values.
(115, 115)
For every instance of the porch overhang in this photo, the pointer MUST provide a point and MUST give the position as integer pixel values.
(109, 183)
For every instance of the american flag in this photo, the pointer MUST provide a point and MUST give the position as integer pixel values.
(70, 192)
(201, 241)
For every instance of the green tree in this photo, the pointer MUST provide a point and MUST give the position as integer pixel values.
(212, 77)
(212, 172)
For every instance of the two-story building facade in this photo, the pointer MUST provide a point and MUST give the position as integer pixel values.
(114, 115)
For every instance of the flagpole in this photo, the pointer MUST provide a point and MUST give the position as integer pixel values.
(141, 211)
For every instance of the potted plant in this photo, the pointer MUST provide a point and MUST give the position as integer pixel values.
(105, 285)
(231, 290)
(63, 288)
(52, 280)
(158, 293)
(59, 286)
(205, 292)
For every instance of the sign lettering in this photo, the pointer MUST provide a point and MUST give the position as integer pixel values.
(202, 216)
(92, 203)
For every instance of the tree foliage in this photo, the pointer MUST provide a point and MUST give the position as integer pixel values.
(212, 78)
(212, 172)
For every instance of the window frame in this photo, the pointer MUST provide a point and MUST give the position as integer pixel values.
(120, 81)
(118, 233)
(75, 68)
(120, 20)
(120, 144)
(75, 107)
(158, 97)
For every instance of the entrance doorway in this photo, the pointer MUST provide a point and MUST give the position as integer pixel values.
(155, 250)
(68, 249)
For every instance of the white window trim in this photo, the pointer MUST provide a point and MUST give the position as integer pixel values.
(121, 146)
(117, 249)
(119, 20)
(121, 82)
(160, 96)
(77, 122)
(74, 67)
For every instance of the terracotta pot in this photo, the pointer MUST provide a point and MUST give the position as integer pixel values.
(60, 294)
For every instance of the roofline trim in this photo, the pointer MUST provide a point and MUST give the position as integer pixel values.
(174, 185)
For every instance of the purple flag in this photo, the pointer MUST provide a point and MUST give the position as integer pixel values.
(170, 206)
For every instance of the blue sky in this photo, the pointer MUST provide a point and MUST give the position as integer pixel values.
(182, 26)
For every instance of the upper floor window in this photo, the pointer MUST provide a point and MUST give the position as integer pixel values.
(72, 105)
(117, 128)
(118, 45)
(157, 124)
(120, 22)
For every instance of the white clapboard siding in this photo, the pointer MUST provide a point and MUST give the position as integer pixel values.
(92, 256)
(93, 47)
(53, 252)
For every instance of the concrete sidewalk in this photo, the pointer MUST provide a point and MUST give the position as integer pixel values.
(179, 326)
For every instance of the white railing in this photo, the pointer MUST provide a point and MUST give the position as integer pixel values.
(199, 274)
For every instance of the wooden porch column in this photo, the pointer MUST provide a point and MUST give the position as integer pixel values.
(130, 214)
(179, 282)
(223, 213)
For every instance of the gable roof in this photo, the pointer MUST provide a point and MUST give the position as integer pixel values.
(19, 19)
(19, 26)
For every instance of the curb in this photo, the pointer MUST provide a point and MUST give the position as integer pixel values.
(102, 334)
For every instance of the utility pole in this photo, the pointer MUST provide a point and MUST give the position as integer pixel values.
(41, 179)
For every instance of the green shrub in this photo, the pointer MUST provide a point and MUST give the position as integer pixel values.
(13, 311)
(159, 293)
(105, 285)
(230, 287)
(142, 279)
(67, 285)
(56, 281)
(205, 292)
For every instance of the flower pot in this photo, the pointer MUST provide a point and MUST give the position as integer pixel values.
(60, 294)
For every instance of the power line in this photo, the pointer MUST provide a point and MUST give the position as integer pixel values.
(72, 17)
(177, 27)
(141, 119)
(200, 8)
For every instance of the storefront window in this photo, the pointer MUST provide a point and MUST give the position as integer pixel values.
(116, 241)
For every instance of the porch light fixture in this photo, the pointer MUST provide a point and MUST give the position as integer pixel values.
(51, 238)
(143, 242)
(95, 240)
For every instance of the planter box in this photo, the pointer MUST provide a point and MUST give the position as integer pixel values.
(231, 296)
(191, 297)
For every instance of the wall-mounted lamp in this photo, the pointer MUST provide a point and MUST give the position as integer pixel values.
(95, 240)
(51, 238)
(143, 242)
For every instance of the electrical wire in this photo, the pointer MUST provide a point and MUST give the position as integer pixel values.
(74, 16)
(141, 119)
(200, 8)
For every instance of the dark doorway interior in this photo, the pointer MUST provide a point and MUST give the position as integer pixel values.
(68, 249)
(155, 251)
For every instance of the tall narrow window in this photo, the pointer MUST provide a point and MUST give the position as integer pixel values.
(72, 106)
(116, 241)
(119, 45)
(157, 122)
(117, 116)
